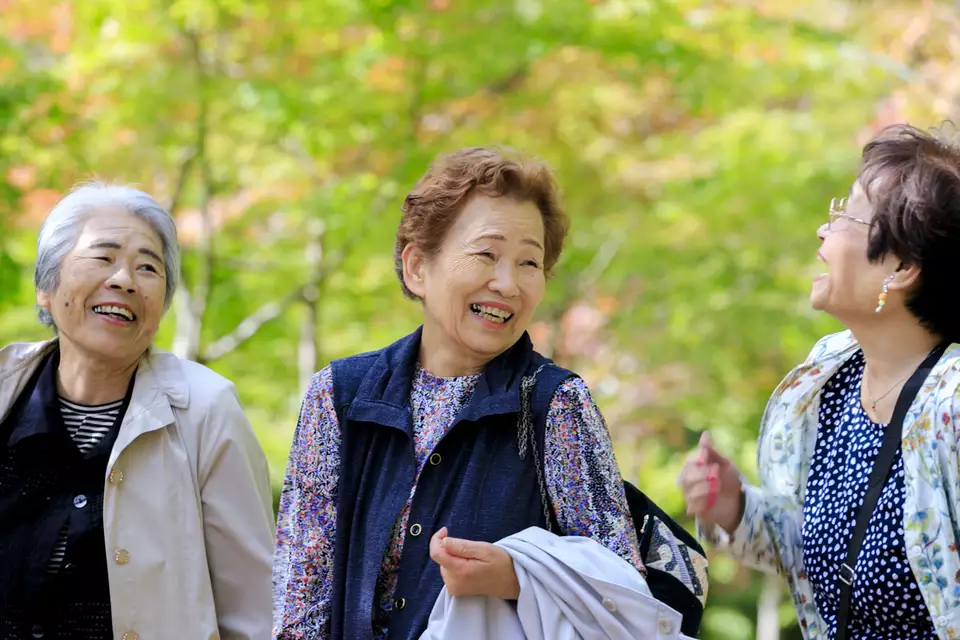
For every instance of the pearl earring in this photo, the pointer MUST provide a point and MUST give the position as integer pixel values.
(883, 293)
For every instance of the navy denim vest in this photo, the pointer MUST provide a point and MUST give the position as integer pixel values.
(475, 483)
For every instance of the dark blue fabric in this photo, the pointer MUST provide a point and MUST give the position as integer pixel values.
(41, 474)
(886, 602)
(482, 489)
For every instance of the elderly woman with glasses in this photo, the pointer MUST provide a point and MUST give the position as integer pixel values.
(859, 500)
(134, 497)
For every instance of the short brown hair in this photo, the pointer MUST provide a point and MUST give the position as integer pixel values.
(433, 204)
(912, 180)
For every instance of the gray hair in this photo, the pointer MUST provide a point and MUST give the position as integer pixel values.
(62, 228)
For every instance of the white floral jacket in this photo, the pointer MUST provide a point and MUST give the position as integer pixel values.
(769, 537)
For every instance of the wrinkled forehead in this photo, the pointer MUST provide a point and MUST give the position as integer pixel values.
(117, 225)
(504, 216)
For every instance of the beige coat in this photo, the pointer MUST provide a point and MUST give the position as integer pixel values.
(187, 512)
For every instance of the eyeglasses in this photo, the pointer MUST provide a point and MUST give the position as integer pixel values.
(838, 208)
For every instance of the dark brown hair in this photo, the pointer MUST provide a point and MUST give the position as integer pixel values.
(436, 200)
(912, 180)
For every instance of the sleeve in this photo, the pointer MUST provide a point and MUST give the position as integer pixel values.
(582, 476)
(769, 536)
(307, 519)
(238, 525)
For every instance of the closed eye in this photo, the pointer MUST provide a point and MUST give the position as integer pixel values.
(104, 258)
(487, 254)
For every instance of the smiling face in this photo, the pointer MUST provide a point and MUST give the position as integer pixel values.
(851, 286)
(480, 291)
(110, 297)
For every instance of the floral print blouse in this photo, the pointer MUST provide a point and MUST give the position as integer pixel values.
(580, 471)
(770, 535)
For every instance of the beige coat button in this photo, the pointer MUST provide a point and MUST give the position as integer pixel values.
(115, 477)
(665, 627)
(122, 556)
(609, 605)
(130, 635)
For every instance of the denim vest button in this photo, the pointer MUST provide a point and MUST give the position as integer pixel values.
(435, 459)
(415, 530)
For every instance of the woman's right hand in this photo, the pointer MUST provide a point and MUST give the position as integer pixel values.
(711, 487)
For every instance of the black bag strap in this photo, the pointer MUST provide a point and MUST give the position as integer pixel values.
(536, 392)
(878, 478)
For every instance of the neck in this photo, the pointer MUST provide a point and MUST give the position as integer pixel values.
(892, 347)
(439, 359)
(87, 380)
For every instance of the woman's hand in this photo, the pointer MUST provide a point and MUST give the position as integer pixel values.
(473, 568)
(711, 487)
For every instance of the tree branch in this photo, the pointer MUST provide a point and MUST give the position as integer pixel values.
(183, 176)
(249, 326)
(326, 262)
(194, 303)
(307, 292)
(601, 260)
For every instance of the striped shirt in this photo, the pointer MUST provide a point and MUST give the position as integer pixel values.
(87, 425)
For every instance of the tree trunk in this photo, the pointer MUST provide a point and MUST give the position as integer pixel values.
(308, 349)
(768, 618)
(185, 344)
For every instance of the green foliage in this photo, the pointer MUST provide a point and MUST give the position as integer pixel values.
(697, 144)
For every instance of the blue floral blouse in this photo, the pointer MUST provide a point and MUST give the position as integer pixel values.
(770, 536)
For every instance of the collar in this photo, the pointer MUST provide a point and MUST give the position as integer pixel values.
(160, 385)
(383, 396)
(801, 387)
(36, 416)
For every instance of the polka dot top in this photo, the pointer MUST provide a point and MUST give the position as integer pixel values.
(886, 601)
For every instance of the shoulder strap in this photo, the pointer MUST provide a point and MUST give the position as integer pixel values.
(548, 380)
(536, 392)
(878, 477)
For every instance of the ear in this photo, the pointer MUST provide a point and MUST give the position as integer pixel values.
(414, 265)
(905, 277)
(44, 300)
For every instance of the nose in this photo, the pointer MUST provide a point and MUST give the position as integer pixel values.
(822, 231)
(120, 280)
(504, 281)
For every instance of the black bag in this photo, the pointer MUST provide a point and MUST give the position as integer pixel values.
(676, 563)
(676, 582)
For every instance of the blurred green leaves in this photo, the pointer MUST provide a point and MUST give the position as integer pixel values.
(697, 145)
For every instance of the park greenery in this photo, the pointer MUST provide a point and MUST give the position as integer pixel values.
(698, 144)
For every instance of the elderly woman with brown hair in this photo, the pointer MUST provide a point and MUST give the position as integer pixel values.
(859, 497)
(134, 497)
(413, 452)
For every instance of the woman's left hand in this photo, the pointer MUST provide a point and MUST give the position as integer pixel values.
(473, 568)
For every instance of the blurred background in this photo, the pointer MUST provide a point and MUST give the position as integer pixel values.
(698, 144)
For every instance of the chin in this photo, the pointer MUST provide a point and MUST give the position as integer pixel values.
(818, 295)
(493, 345)
(110, 347)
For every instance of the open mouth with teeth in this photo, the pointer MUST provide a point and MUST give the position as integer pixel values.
(117, 313)
(493, 314)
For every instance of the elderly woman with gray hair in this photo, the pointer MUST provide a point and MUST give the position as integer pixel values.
(134, 497)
